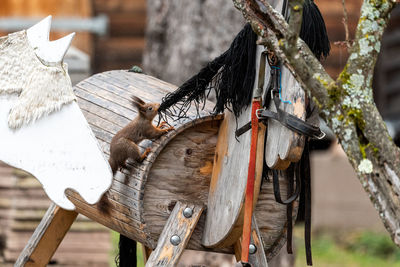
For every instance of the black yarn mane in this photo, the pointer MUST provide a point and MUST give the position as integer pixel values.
(232, 74)
(313, 30)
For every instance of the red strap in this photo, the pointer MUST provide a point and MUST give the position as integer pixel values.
(248, 202)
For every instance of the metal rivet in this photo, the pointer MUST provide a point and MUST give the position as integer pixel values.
(175, 240)
(252, 249)
(187, 212)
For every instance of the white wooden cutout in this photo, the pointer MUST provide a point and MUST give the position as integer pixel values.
(59, 149)
(48, 52)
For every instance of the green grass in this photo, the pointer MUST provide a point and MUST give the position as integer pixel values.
(358, 249)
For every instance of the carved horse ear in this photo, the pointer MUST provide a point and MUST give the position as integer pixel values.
(48, 52)
(39, 33)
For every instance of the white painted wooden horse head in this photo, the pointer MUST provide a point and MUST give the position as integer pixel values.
(42, 129)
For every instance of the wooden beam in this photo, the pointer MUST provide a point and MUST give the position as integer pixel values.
(47, 237)
(258, 258)
(146, 251)
(180, 226)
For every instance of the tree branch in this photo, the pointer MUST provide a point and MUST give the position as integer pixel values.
(346, 103)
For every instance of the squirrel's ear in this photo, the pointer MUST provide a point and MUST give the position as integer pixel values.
(137, 100)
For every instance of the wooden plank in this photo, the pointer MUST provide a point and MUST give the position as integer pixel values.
(107, 91)
(47, 237)
(136, 87)
(121, 48)
(146, 253)
(283, 145)
(228, 182)
(116, 6)
(127, 113)
(167, 254)
(128, 24)
(102, 112)
(81, 226)
(192, 154)
(258, 258)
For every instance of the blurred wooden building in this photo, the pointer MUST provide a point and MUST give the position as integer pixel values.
(22, 199)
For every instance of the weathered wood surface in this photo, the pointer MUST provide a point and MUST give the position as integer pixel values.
(167, 254)
(228, 184)
(284, 146)
(47, 237)
(179, 167)
(105, 101)
(258, 258)
(229, 178)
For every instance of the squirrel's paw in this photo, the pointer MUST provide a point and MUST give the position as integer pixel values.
(162, 124)
(169, 129)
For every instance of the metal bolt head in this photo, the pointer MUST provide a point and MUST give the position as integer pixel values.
(175, 240)
(187, 212)
(252, 249)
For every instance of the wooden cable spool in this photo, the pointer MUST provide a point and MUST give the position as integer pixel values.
(179, 168)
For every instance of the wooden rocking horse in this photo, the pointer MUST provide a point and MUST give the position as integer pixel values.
(190, 191)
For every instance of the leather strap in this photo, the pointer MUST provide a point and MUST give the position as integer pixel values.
(306, 177)
(289, 212)
(277, 192)
(288, 120)
(248, 203)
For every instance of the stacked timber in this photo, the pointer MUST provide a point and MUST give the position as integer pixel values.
(23, 204)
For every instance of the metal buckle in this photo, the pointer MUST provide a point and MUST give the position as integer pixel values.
(257, 111)
(273, 91)
(321, 136)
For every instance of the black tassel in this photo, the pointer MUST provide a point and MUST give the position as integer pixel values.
(127, 252)
(231, 75)
(313, 30)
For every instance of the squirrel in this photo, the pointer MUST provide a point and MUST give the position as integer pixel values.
(124, 143)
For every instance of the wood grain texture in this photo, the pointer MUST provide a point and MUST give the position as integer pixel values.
(47, 237)
(228, 183)
(226, 196)
(258, 258)
(283, 145)
(179, 167)
(167, 254)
